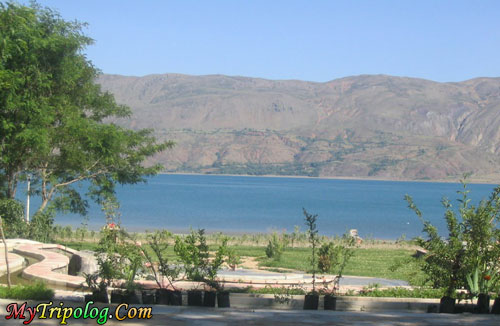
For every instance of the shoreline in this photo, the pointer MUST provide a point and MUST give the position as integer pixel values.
(469, 181)
(235, 233)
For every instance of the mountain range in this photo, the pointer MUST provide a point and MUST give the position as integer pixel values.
(367, 126)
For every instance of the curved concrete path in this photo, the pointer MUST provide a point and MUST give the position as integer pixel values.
(16, 262)
(49, 262)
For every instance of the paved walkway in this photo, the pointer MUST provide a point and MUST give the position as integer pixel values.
(15, 262)
(190, 316)
(49, 263)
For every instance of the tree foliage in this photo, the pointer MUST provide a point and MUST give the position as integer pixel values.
(55, 122)
(276, 246)
(193, 251)
(471, 250)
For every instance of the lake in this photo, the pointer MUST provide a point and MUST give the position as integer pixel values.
(238, 204)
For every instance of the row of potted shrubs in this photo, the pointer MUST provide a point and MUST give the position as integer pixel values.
(162, 297)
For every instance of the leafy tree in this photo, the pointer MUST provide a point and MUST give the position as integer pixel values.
(470, 251)
(55, 120)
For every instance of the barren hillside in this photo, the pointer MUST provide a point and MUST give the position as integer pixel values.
(363, 126)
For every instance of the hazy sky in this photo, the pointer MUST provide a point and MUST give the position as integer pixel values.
(309, 40)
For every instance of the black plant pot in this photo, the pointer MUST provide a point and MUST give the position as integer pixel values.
(483, 304)
(223, 299)
(195, 298)
(89, 297)
(311, 302)
(132, 297)
(496, 307)
(461, 308)
(161, 296)
(174, 298)
(432, 308)
(447, 305)
(100, 296)
(330, 302)
(209, 298)
(117, 296)
(148, 297)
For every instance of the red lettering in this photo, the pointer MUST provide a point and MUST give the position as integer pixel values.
(32, 311)
(15, 311)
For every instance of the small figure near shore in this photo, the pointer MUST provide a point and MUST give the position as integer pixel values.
(354, 234)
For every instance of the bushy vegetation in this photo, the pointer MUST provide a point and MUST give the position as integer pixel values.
(401, 292)
(276, 245)
(469, 257)
(37, 291)
(197, 264)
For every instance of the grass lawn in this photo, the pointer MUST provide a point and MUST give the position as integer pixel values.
(36, 291)
(374, 262)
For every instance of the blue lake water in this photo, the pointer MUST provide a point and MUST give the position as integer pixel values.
(263, 204)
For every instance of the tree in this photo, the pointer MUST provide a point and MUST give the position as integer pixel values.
(470, 251)
(55, 121)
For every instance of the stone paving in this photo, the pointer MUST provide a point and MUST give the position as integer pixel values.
(16, 262)
(190, 316)
(49, 262)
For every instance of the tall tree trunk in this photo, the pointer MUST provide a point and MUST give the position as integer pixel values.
(11, 185)
(6, 252)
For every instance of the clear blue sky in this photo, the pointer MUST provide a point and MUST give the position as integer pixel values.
(309, 40)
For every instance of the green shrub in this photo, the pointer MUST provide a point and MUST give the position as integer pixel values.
(275, 247)
(37, 291)
(399, 292)
(193, 251)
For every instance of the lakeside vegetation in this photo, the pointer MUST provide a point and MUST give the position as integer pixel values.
(374, 258)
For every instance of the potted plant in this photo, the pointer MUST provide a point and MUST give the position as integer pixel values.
(192, 250)
(221, 255)
(333, 258)
(445, 262)
(479, 287)
(161, 268)
(472, 243)
(311, 299)
(496, 306)
(99, 289)
(133, 262)
(108, 257)
(198, 267)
